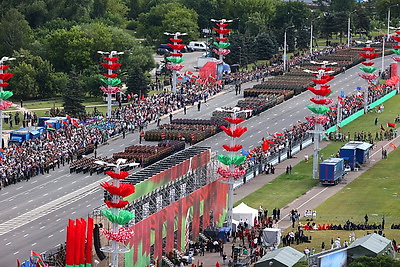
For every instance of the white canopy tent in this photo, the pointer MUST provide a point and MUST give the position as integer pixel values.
(243, 212)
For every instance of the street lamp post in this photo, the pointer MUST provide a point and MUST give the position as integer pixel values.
(284, 47)
(231, 179)
(175, 52)
(114, 249)
(388, 21)
(109, 78)
(3, 67)
(349, 28)
(311, 33)
(222, 31)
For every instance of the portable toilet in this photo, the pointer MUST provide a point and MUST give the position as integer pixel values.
(348, 153)
(362, 152)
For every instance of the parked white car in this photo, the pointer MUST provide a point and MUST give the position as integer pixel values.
(197, 46)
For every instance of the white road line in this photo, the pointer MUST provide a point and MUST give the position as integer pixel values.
(8, 243)
(16, 252)
(33, 244)
(49, 207)
(42, 227)
(308, 200)
(26, 235)
(50, 236)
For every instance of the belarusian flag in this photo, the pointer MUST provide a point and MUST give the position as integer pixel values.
(391, 125)
(68, 117)
(278, 134)
(50, 126)
(36, 255)
(75, 123)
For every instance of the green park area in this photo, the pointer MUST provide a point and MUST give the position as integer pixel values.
(375, 192)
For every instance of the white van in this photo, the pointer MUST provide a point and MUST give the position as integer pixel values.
(197, 46)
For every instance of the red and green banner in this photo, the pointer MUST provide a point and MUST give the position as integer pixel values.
(169, 225)
(79, 243)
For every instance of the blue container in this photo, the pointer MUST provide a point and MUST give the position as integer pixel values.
(331, 171)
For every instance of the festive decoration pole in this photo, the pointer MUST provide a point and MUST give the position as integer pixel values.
(112, 81)
(175, 57)
(322, 90)
(222, 43)
(396, 57)
(233, 172)
(368, 70)
(4, 104)
(115, 213)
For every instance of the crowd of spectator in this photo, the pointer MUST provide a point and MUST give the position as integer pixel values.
(39, 156)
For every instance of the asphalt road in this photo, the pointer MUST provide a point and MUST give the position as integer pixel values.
(34, 214)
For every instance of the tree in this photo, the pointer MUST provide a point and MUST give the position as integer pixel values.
(74, 96)
(35, 77)
(137, 81)
(15, 32)
(267, 45)
(170, 17)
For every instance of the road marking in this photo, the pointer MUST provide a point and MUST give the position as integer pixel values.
(62, 230)
(33, 244)
(8, 243)
(50, 236)
(308, 200)
(50, 206)
(45, 194)
(16, 252)
(18, 188)
(42, 227)
(26, 235)
(34, 182)
(59, 188)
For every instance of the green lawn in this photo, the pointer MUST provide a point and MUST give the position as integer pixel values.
(376, 192)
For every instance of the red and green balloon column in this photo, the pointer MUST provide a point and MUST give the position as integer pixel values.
(112, 81)
(396, 57)
(116, 214)
(175, 58)
(222, 43)
(4, 95)
(321, 91)
(368, 70)
(231, 171)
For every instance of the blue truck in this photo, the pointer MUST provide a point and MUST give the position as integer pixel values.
(331, 171)
(20, 135)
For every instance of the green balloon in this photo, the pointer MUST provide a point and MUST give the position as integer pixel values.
(6, 94)
(222, 45)
(112, 82)
(122, 218)
(368, 69)
(396, 51)
(176, 60)
(320, 110)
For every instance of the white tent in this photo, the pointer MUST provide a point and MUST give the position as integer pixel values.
(271, 236)
(242, 211)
